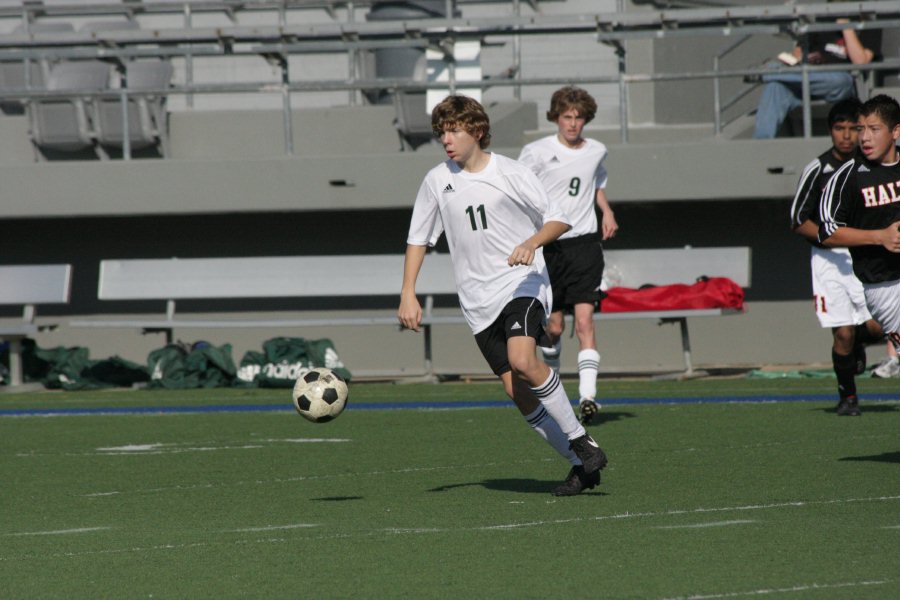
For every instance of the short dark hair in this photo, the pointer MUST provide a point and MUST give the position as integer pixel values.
(569, 97)
(885, 107)
(845, 110)
(464, 112)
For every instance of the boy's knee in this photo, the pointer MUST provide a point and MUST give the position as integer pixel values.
(843, 339)
(520, 365)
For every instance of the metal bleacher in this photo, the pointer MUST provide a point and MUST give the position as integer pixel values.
(275, 132)
(209, 40)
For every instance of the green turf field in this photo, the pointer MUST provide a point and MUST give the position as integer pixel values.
(701, 499)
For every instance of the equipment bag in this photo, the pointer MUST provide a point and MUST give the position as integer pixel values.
(708, 292)
(284, 359)
(201, 365)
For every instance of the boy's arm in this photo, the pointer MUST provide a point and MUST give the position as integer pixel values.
(808, 230)
(608, 225)
(856, 52)
(889, 237)
(523, 254)
(806, 200)
(410, 312)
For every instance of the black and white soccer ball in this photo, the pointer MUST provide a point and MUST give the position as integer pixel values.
(320, 395)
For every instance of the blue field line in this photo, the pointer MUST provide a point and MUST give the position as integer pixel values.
(249, 408)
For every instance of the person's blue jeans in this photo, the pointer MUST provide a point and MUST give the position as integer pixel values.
(783, 93)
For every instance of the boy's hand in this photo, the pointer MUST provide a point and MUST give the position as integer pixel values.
(890, 237)
(608, 225)
(523, 254)
(410, 313)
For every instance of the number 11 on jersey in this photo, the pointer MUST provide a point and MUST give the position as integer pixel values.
(480, 210)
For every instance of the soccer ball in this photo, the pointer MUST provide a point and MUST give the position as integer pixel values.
(320, 395)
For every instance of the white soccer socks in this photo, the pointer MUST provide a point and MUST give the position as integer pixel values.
(552, 355)
(588, 365)
(541, 421)
(553, 398)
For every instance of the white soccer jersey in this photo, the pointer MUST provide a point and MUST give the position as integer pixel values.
(485, 215)
(571, 177)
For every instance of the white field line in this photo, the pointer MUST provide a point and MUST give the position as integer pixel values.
(299, 478)
(710, 524)
(57, 531)
(788, 590)
(179, 448)
(271, 528)
(481, 528)
(139, 449)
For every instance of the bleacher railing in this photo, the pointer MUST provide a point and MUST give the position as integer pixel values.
(282, 39)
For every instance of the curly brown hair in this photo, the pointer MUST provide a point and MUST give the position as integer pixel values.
(464, 112)
(569, 97)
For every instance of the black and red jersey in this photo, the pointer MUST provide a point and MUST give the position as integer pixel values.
(816, 174)
(864, 195)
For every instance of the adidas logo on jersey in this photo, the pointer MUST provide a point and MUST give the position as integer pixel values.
(554, 159)
(449, 188)
(828, 169)
(862, 169)
(515, 326)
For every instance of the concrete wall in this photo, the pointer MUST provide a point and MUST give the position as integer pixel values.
(640, 346)
(348, 158)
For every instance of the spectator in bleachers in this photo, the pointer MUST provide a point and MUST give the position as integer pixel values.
(783, 91)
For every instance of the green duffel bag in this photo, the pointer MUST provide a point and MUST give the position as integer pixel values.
(284, 359)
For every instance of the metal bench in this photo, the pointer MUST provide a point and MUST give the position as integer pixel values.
(266, 277)
(374, 275)
(29, 285)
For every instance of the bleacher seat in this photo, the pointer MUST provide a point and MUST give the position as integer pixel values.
(68, 124)
(413, 122)
(96, 26)
(12, 73)
(146, 114)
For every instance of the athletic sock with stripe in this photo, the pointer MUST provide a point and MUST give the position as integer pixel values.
(588, 365)
(553, 398)
(546, 427)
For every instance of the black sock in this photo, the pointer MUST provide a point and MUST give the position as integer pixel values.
(845, 369)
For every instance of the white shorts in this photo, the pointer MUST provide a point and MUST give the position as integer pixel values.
(838, 294)
(883, 300)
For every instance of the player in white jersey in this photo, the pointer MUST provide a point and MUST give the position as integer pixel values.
(572, 171)
(840, 302)
(496, 217)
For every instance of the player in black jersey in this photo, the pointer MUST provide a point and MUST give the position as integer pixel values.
(860, 209)
(840, 302)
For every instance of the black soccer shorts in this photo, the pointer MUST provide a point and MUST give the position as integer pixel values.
(576, 267)
(520, 317)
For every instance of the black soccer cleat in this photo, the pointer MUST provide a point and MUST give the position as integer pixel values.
(576, 482)
(592, 456)
(588, 410)
(848, 407)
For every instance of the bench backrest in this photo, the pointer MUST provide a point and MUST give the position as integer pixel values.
(268, 277)
(634, 268)
(375, 275)
(35, 284)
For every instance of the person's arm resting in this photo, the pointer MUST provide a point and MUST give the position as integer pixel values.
(856, 52)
